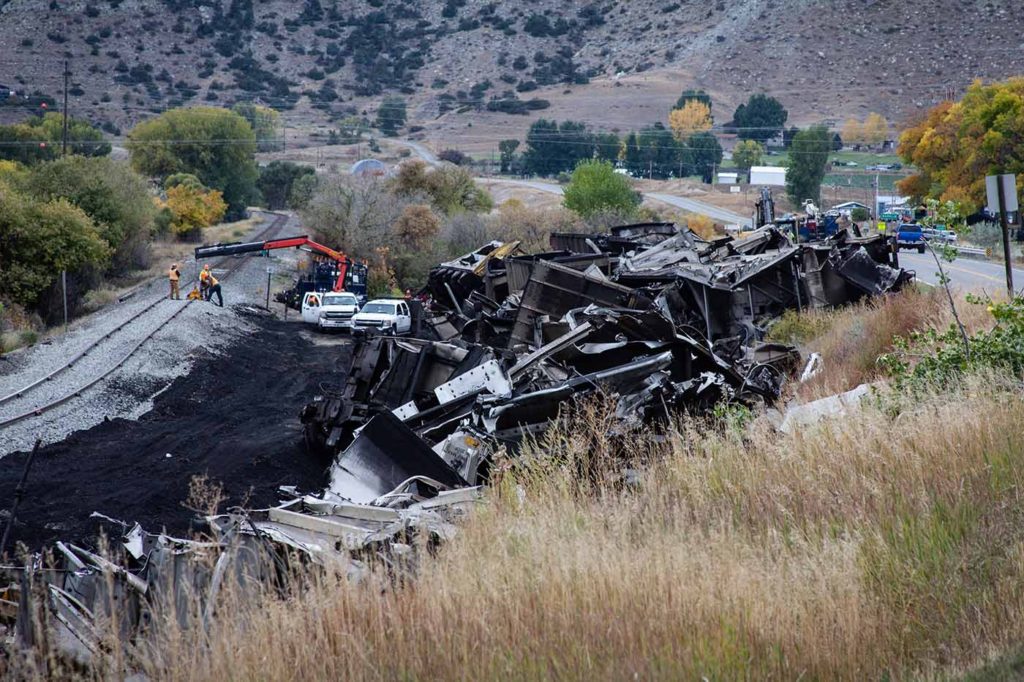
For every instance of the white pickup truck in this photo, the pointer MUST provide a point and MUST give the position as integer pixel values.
(329, 310)
(387, 315)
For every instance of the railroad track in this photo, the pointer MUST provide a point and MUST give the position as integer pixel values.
(129, 326)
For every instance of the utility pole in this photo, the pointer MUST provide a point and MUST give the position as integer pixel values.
(1005, 229)
(874, 206)
(1002, 198)
(64, 136)
(64, 286)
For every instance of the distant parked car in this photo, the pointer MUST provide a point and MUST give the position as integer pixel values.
(939, 235)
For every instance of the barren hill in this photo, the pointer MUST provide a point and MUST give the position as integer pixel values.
(613, 64)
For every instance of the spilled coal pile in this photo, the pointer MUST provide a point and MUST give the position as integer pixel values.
(232, 418)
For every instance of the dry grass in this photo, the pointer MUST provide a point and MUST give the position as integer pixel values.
(851, 339)
(885, 544)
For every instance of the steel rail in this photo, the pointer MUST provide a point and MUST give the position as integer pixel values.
(275, 224)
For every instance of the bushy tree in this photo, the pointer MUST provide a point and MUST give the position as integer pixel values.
(596, 187)
(276, 181)
(761, 118)
(808, 160)
(454, 156)
(451, 189)
(110, 193)
(391, 116)
(872, 131)
(746, 154)
(41, 238)
(607, 146)
(957, 144)
(418, 226)
(876, 129)
(303, 189)
(39, 139)
(553, 147)
(693, 96)
(264, 122)
(693, 117)
(193, 209)
(507, 154)
(654, 152)
(186, 179)
(703, 154)
(353, 214)
(853, 131)
(216, 145)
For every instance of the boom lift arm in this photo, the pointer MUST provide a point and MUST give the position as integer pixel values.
(302, 242)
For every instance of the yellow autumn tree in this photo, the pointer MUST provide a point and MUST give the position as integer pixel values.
(875, 129)
(957, 144)
(694, 117)
(193, 208)
(853, 132)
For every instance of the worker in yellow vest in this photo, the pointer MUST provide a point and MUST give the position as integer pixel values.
(174, 276)
(204, 282)
(213, 288)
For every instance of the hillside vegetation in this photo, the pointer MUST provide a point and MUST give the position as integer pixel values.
(823, 59)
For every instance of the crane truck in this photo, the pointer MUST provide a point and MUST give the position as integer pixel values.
(336, 273)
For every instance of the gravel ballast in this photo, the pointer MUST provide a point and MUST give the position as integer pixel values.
(201, 330)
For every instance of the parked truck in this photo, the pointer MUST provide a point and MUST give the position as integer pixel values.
(910, 236)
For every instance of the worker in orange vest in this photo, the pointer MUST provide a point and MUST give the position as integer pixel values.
(173, 275)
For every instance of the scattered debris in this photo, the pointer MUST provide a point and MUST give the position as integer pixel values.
(650, 314)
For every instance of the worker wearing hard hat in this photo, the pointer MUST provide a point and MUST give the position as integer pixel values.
(204, 282)
(213, 287)
(174, 276)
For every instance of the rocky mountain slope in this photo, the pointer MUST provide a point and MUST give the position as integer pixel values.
(322, 60)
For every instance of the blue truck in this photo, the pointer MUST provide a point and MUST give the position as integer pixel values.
(910, 236)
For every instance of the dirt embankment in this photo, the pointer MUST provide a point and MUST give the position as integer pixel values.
(234, 417)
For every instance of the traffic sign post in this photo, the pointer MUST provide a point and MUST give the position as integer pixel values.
(270, 271)
(1002, 199)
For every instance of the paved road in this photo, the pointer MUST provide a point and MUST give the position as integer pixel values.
(969, 275)
(694, 206)
(421, 151)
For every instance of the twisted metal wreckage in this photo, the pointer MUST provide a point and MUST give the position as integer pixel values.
(650, 314)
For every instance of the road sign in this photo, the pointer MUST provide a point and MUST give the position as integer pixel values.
(1009, 183)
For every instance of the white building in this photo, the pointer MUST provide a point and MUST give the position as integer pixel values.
(847, 208)
(773, 176)
(728, 178)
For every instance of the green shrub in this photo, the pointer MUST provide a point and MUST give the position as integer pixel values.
(798, 328)
(939, 357)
